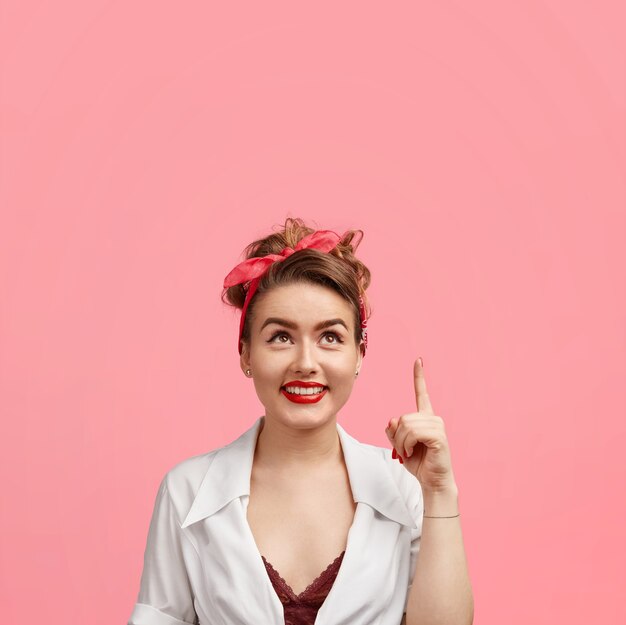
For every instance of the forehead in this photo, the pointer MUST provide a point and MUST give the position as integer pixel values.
(304, 303)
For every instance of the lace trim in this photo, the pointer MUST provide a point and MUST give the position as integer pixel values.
(321, 577)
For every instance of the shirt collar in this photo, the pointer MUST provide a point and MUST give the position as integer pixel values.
(228, 477)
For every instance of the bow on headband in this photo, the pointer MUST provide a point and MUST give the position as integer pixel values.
(251, 270)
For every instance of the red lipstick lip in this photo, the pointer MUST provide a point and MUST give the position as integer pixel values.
(304, 384)
(304, 399)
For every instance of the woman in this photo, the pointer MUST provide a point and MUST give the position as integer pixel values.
(296, 522)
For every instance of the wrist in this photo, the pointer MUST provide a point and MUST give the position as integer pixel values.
(441, 491)
(441, 502)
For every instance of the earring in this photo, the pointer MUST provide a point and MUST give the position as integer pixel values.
(248, 372)
(357, 373)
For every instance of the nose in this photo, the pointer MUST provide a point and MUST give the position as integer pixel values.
(305, 361)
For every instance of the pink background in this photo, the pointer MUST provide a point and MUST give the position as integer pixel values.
(481, 147)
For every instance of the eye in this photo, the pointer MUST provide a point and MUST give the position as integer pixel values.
(276, 334)
(337, 337)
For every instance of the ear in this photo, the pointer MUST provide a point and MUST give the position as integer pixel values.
(244, 358)
(361, 354)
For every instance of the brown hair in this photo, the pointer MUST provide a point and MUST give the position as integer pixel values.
(338, 269)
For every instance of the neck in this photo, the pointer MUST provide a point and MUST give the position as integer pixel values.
(291, 449)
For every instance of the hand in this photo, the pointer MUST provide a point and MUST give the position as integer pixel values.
(420, 443)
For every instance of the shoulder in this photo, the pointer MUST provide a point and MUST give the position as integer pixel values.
(182, 481)
(407, 484)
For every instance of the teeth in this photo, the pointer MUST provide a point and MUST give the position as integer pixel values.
(296, 390)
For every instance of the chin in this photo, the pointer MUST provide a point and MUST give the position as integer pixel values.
(303, 418)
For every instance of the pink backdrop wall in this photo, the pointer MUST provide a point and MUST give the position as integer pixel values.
(482, 150)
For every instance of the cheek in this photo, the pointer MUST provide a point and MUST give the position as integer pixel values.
(343, 378)
(267, 365)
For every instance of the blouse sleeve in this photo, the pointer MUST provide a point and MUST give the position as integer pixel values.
(417, 511)
(165, 593)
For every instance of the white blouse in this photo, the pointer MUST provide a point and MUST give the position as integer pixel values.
(202, 565)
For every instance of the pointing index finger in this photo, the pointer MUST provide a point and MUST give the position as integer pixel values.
(421, 394)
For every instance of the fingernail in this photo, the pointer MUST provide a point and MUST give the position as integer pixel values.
(400, 459)
(421, 362)
(393, 453)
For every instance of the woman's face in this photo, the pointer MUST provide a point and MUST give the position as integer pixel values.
(288, 344)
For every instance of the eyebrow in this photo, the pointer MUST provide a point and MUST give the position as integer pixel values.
(294, 326)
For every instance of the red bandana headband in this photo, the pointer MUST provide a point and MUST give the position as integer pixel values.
(250, 271)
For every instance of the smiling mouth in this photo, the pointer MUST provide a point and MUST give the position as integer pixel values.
(322, 389)
(304, 398)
